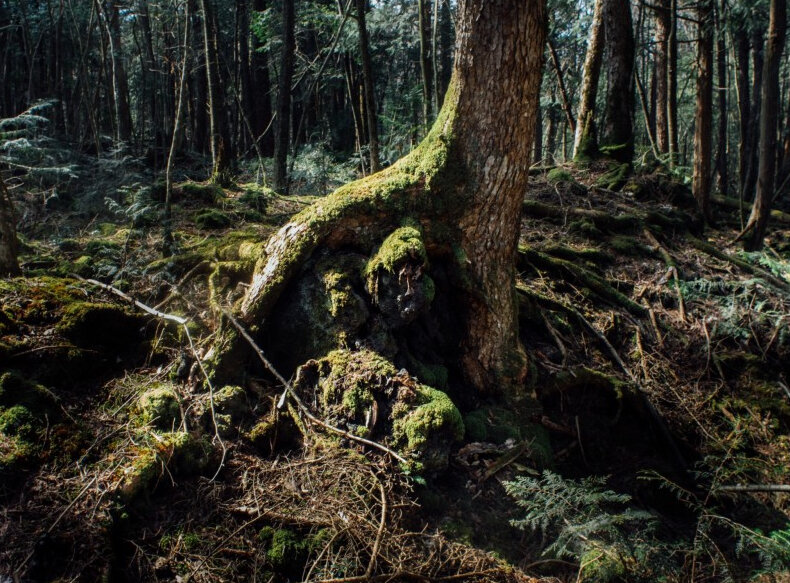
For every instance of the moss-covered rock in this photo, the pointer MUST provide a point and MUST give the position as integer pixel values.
(364, 393)
(177, 454)
(557, 175)
(212, 219)
(159, 407)
(105, 327)
(230, 408)
(205, 193)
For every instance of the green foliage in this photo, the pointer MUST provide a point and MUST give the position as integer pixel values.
(582, 520)
(557, 175)
(212, 219)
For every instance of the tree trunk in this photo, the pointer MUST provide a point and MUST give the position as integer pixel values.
(761, 210)
(741, 41)
(753, 137)
(460, 191)
(245, 73)
(218, 127)
(672, 86)
(282, 140)
(663, 31)
(566, 102)
(618, 129)
(585, 142)
(703, 125)
(721, 70)
(446, 44)
(123, 118)
(262, 103)
(368, 88)
(9, 244)
(426, 68)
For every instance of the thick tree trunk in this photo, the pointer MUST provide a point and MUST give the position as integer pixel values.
(753, 136)
(761, 210)
(618, 129)
(585, 142)
(703, 125)
(663, 31)
(462, 188)
(446, 45)
(368, 88)
(282, 140)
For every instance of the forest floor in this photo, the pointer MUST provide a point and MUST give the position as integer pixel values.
(659, 358)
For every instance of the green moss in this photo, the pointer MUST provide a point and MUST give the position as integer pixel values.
(18, 421)
(159, 407)
(83, 266)
(629, 246)
(256, 197)
(101, 326)
(230, 408)
(404, 244)
(435, 415)
(177, 454)
(585, 227)
(615, 177)
(18, 390)
(205, 193)
(557, 175)
(603, 565)
(212, 219)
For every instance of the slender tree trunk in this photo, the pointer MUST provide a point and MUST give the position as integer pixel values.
(178, 129)
(741, 41)
(618, 129)
(566, 103)
(150, 81)
(721, 66)
(585, 142)
(246, 99)
(368, 88)
(446, 44)
(537, 146)
(282, 140)
(663, 31)
(753, 139)
(761, 210)
(672, 86)
(426, 68)
(262, 89)
(703, 125)
(123, 117)
(218, 129)
(9, 244)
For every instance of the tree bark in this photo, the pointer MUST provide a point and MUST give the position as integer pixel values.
(463, 187)
(761, 210)
(672, 86)
(282, 140)
(262, 102)
(120, 85)
(9, 244)
(703, 125)
(368, 88)
(663, 31)
(618, 129)
(426, 68)
(218, 128)
(721, 71)
(741, 41)
(585, 142)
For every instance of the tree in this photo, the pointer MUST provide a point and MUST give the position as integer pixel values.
(442, 223)
(663, 31)
(585, 142)
(368, 88)
(618, 119)
(282, 140)
(703, 132)
(426, 64)
(754, 232)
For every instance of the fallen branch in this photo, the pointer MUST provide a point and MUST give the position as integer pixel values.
(755, 488)
(299, 403)
(706, 247)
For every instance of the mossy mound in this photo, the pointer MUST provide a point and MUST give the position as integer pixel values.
(557, 175)
(230, 409)
(105, 327)
(204, 193)
(159, 407)
(169, 454)
(212, 219)
(364, 393)
(287, 551)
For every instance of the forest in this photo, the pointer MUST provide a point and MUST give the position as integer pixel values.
(394, 290)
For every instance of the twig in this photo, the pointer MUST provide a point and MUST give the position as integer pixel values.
(154, 312)
(302, 407)
(755, 488)
(383, 522)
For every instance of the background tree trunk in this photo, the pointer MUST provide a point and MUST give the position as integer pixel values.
(618, 128)
(9, 244)
(761, 210)
(368, 88)
(282, 140)
(426, 66)
(703, 132)
(721, 70)
(663, 31)
(585, 142)
(672, 86)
